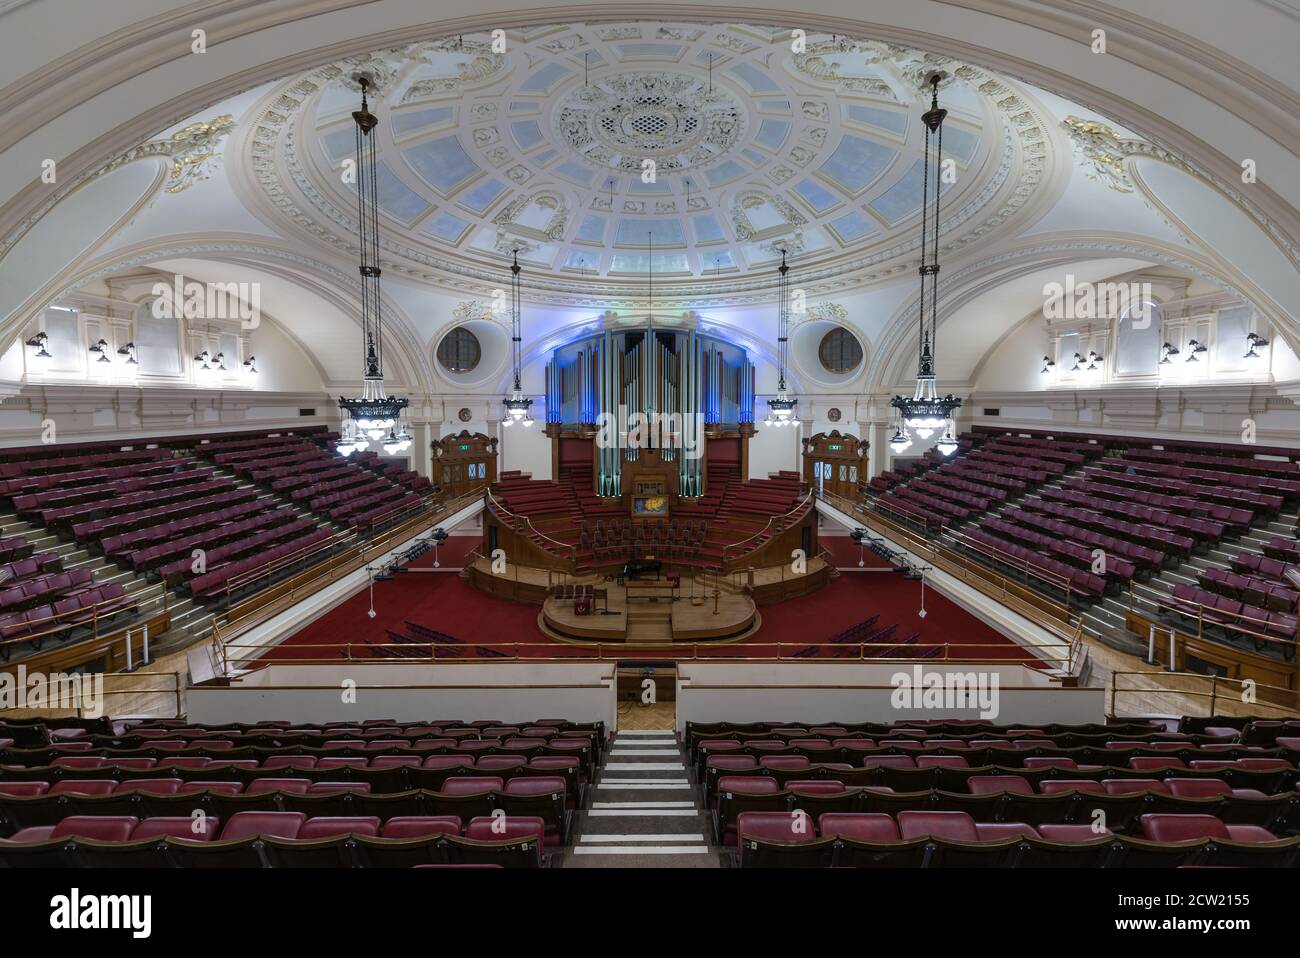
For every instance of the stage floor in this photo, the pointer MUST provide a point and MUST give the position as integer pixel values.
(653, 615)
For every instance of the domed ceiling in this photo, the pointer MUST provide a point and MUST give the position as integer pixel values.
(584, 146)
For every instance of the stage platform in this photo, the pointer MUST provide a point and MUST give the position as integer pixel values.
(653, 616)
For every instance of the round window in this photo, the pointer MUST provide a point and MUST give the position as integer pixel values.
(459, 351)
(839, 351)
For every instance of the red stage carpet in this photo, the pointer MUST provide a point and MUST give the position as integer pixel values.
(440, 600)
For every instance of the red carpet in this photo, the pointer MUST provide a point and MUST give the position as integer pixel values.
(450, 555)
(442, 601)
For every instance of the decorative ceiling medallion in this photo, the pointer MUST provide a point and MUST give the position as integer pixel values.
(451, 233)
(833, 414)
(619, 121)
(464, 415)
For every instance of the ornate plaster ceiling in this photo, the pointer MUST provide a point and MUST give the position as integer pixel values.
(581, 145)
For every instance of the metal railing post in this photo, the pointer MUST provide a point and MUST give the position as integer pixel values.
(1214, 692)
(179, 680)
(130, 665)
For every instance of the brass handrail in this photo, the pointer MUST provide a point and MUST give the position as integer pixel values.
(162, 593)
(501, 507)
(618, 650)
(1214, 694)
(1165, 602)
(801, 505)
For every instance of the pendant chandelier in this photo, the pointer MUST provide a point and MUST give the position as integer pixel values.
(780, 409)
(373, 416)
(517, 404)
(926, 411)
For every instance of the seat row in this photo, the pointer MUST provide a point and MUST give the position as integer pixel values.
(276, 839)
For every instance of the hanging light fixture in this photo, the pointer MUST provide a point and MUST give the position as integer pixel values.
(780, 409)
(517, 404)
(373, 415)
(1167, 350)
(1194, 349)
(1078, 358)
(203, 359)
(1048, 364)
(101, 349)
(129, 352)
(926, 411)
(1093, 360)
(250, 364)
(1252, 341)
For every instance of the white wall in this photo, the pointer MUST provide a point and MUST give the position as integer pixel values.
(508, 691)
(852, 692)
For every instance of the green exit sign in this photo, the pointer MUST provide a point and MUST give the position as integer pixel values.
(463, 447)
(834, 447)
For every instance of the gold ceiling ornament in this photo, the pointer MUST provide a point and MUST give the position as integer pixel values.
(1101, 146)
(195, 151)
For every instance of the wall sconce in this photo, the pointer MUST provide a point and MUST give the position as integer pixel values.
(1078, 358)
(101, 348)
(1093, 359)
(1048, 364)
(38, 342)
(220, 360)
(129, 352)
(203, 358)
(1167, 350)
(1253, 340)
(1194, 349)
(250, 364)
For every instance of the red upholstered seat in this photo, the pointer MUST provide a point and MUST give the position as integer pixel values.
(731, 762)
(784, 762)
(1198, 787)
(89, 786)
(394, 761)
(504, 828)
(1001, 831)
(279, 824)
(101, 828)
(942, 761)
(203, 829)
(471, 785)
(991, 784)
(1071, 833)
(151, 786)
(818, 786)
(420, 826)
(216, 788)
(261, 786)
(1057, 786)
(329, 826)
(1152, 763)
(863, 826)
(289, 761)
(333, 788)
(78, 761)
(1127, 786)
(748, 785)
(535, 785)
(775, 826)
(497, 763)
(24, 789)
(449, 761)
(1049, 761)
(889, 761)
(342, 761)
(957, 826)
(1181, 828)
